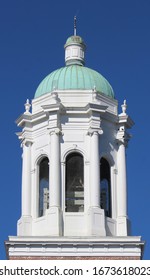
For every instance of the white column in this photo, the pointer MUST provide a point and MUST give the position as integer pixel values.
(54, 213)
(26, 180)
(24, 226)
(96, 219)
(122, 182)
(95, 170)
(55, 170)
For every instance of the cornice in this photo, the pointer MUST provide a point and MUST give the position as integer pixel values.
(126, 120)
(52, 107)
(125, 246)
(90, 107)
(29, 120)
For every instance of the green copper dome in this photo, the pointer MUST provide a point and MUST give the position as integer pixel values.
(74, 77)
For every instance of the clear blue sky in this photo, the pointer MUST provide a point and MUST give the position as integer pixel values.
(32, 36)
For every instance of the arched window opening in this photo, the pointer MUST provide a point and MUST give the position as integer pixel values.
(43, 186)
(74, 193)
(105, 185)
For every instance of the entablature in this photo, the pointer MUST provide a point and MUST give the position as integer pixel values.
(75, 98)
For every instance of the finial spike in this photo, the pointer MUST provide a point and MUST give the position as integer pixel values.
(75, 25)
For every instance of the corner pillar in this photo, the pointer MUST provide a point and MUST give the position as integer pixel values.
(25, 223)
(122, 219)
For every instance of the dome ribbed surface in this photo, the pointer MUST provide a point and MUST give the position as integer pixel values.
(74, 77)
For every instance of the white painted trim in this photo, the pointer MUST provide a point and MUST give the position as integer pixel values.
(104, 246)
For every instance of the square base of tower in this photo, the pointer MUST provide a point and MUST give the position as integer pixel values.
(39, 248)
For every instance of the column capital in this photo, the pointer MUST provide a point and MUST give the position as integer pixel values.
(92, 131)
(122, 136)
(56, 131)
(26, 142)
(123, 142)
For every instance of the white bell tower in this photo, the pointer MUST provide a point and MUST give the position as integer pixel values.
(74, 187)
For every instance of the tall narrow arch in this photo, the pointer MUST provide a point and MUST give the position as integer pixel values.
(105, 185)
(43, 186)
(74, 187)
